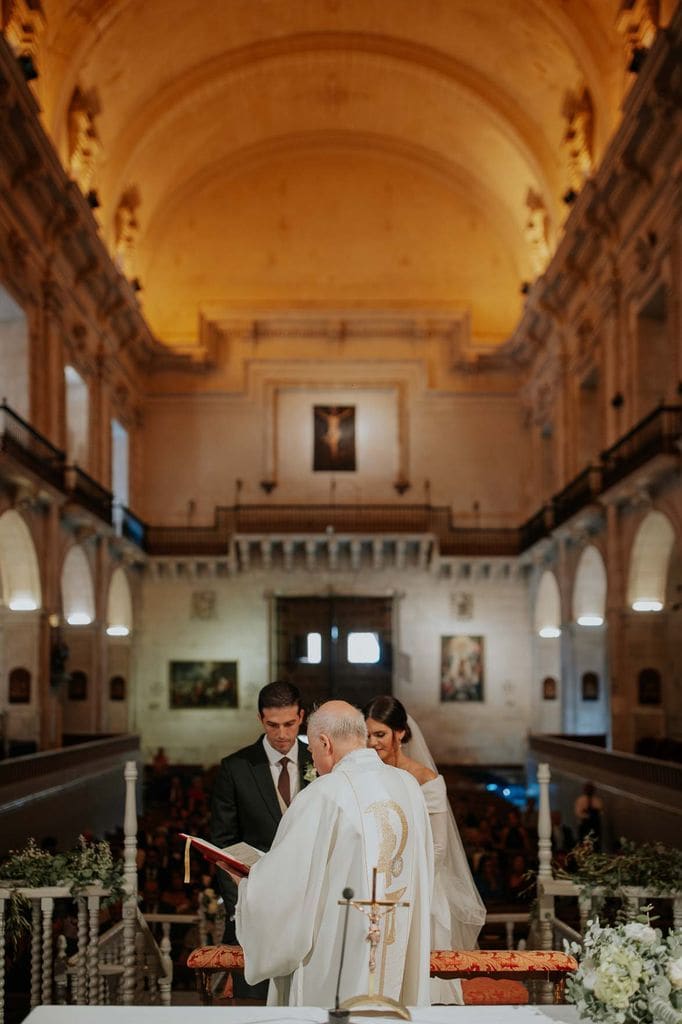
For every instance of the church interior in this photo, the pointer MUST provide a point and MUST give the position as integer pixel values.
(255, 258)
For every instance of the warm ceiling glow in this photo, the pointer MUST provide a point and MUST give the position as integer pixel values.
(117, 631)
(23, 603)
(549, 632)
(590, 620)
(647, 604)
(79, 619)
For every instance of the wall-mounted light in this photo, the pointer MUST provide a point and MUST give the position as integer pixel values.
(23, 603)
(79, 619)
(118, 631)
(549, 632)
(646, 604)
(590, 620)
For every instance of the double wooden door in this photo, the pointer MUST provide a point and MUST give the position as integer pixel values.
(335, 647)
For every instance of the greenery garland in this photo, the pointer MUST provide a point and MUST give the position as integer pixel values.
(87, 864)
(649, 866)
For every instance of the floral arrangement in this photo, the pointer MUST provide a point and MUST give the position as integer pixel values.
(628, 974)
(209, 903)
(87, 864)
(310, 773)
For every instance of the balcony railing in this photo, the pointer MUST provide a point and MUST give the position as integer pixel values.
(580, 492)
(26, 446)
(82, 489)
(659, 433)
(537, 527)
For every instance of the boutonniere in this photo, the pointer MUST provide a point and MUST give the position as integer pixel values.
(310, 772)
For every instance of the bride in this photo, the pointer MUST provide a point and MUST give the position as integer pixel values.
(457, 911)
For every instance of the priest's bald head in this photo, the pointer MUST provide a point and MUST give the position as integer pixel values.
(334, 730)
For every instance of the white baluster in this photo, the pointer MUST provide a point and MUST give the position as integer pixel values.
(2, 958)
(47, 909)
(677, 912)
(36, 958)
(166, 979)
(81, 969)
(129, 883)
(60, 975)
(93, 950)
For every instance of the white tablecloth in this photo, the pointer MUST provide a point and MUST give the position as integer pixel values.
(292, 1015)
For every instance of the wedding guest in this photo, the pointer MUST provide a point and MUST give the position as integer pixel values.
(359, 814)
(588, 810)
(457, 911)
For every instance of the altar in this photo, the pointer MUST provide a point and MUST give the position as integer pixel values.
(292, 1015)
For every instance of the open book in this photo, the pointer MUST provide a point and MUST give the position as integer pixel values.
(238, 858)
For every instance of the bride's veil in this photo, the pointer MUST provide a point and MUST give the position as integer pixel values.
(467, 910)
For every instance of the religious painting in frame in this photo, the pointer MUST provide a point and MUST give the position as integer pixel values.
(117, 688)
(334, 438)
(461, 674)
(203, 684)
(78, 685)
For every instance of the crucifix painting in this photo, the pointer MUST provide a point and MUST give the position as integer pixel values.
(334, 433)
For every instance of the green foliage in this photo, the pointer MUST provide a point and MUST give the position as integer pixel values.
(87, 864)
(650, 866)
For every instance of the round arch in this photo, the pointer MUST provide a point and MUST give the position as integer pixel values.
(547, 617)
(649, 563)
(589, 589)
(19, 571)
(119, 605)
(78, 596)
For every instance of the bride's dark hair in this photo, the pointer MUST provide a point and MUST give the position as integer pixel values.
(389, 711)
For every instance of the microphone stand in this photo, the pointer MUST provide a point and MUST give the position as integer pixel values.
(337, 1015)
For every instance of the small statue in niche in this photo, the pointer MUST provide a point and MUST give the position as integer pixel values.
(84, 143)
(537, 232)
(126, 232)
(578, 140)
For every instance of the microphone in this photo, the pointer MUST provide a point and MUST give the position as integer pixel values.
(338, 1015)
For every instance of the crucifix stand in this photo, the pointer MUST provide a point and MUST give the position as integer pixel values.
(373, 1004)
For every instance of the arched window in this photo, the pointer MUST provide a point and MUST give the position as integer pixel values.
(21, 589)
(590, 686)
(589, 590)
(78, 685)
(649, 563)
(649, 686)
(548, 607)
(19, 686)
(78, 595)
(117, 688)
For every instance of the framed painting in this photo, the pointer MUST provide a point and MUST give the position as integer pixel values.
(334, 438)
(117, 688)
(203, 684)
(19, 686)
(461, 673)
(78, 685)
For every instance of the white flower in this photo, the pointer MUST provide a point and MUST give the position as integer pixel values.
(310, 773)
(640, 933)
(674, 972)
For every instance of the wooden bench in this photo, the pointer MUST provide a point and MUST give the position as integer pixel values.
(488, 976)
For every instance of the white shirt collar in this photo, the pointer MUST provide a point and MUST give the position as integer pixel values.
(275, 756)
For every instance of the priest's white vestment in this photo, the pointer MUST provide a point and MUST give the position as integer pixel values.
(362, 815)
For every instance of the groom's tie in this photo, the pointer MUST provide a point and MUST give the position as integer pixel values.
(283, 782)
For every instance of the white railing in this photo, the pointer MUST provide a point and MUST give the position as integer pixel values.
(124, 964)
(549, 888)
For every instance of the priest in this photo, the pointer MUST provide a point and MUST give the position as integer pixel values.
(358, 815)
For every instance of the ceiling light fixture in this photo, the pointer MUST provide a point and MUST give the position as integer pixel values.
(647, 604)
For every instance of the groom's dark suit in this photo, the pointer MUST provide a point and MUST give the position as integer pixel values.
(244, 804)
(245, 809)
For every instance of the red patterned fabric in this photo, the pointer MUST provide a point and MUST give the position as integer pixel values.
(488, 992)
(500, 961)
(463, 963)
(217, 958)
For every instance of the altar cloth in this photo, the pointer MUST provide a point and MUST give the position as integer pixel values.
(293, 1015)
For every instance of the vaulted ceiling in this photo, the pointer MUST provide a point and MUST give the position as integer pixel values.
(335, 153)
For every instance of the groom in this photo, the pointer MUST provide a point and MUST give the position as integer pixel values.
(253, 790)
